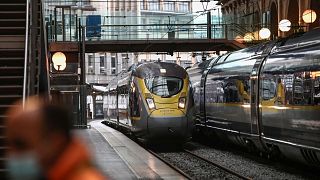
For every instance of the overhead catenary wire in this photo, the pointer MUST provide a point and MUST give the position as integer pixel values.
(203, 13)
(128, 3)
(148, 1)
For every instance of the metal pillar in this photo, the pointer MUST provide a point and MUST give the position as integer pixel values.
(83, 106)
(83, 87)
(209, 26)
(83, 56)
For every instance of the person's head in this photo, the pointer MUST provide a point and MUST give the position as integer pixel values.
(36, 135)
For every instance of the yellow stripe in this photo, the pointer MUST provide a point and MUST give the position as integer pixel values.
(135, 118)
(279, 107)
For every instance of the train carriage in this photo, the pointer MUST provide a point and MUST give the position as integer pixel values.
(267, 97)
(153, 102)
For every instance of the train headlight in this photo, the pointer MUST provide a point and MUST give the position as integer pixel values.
(150, 103)
(182, 102)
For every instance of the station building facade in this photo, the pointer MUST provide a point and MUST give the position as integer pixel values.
(104, 66)
(251, 15)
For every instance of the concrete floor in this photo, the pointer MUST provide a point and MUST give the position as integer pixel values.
(120, 158)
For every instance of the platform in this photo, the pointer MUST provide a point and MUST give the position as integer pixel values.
(121, 158)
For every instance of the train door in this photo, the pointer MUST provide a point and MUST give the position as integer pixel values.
(117, 105)
(98, 109)
(134, 103)
(196, 76)
(123, 98)
(254, 101)
(126, 99)
(122, 105)
(108, 103)
(121, 117)
(113, 102)
(202, 107)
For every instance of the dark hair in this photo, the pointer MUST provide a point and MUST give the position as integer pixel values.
(57, 119)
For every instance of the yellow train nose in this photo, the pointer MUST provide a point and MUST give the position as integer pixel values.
(167, 112)
(168, 128)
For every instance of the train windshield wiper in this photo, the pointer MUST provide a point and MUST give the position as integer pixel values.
(166, 96)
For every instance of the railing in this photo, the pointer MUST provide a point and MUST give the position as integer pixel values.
(155, 32)
(167, 6)
(45, 71)
(35, 76)
(26, 54)
(139, 28)
(141, 32)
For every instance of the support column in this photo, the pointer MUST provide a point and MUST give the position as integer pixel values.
(304, 5)
(193, 60)
(280, 17)
(209, 28)
(136, 58)
(301, 9)
(94, 106)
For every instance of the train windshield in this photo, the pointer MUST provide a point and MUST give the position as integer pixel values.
(164, 86)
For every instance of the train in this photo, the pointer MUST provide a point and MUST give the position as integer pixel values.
(265, 97)
(153, 102)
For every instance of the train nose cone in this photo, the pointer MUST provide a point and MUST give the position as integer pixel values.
(168, 128)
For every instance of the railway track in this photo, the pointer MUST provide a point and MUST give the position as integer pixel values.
(250, 166)
(189, 175)
(170, 164)
(218, 165)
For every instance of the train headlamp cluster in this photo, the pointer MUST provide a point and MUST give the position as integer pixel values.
(150, 103)
(163, 71)
(182, 103)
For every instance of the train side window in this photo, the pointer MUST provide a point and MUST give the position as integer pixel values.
(210, 64)
(316, 75)
(229, 82)
(231, 92)
(242, 54)
(268, 89)
(274, 86)
(236, 90)
(238, 55)
(292, 79)
(132, 67)
(222, 58)
(203, 64)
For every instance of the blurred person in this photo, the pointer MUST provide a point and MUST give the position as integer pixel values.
(280, 92)
(243, 95)
(41, 144)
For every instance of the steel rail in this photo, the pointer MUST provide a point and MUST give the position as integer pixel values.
(197, 156)
(218, 165)
(170, 165)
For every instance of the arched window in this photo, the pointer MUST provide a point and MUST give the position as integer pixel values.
(315, 5)
(274, 20)
(99, 98)
(293, 15)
